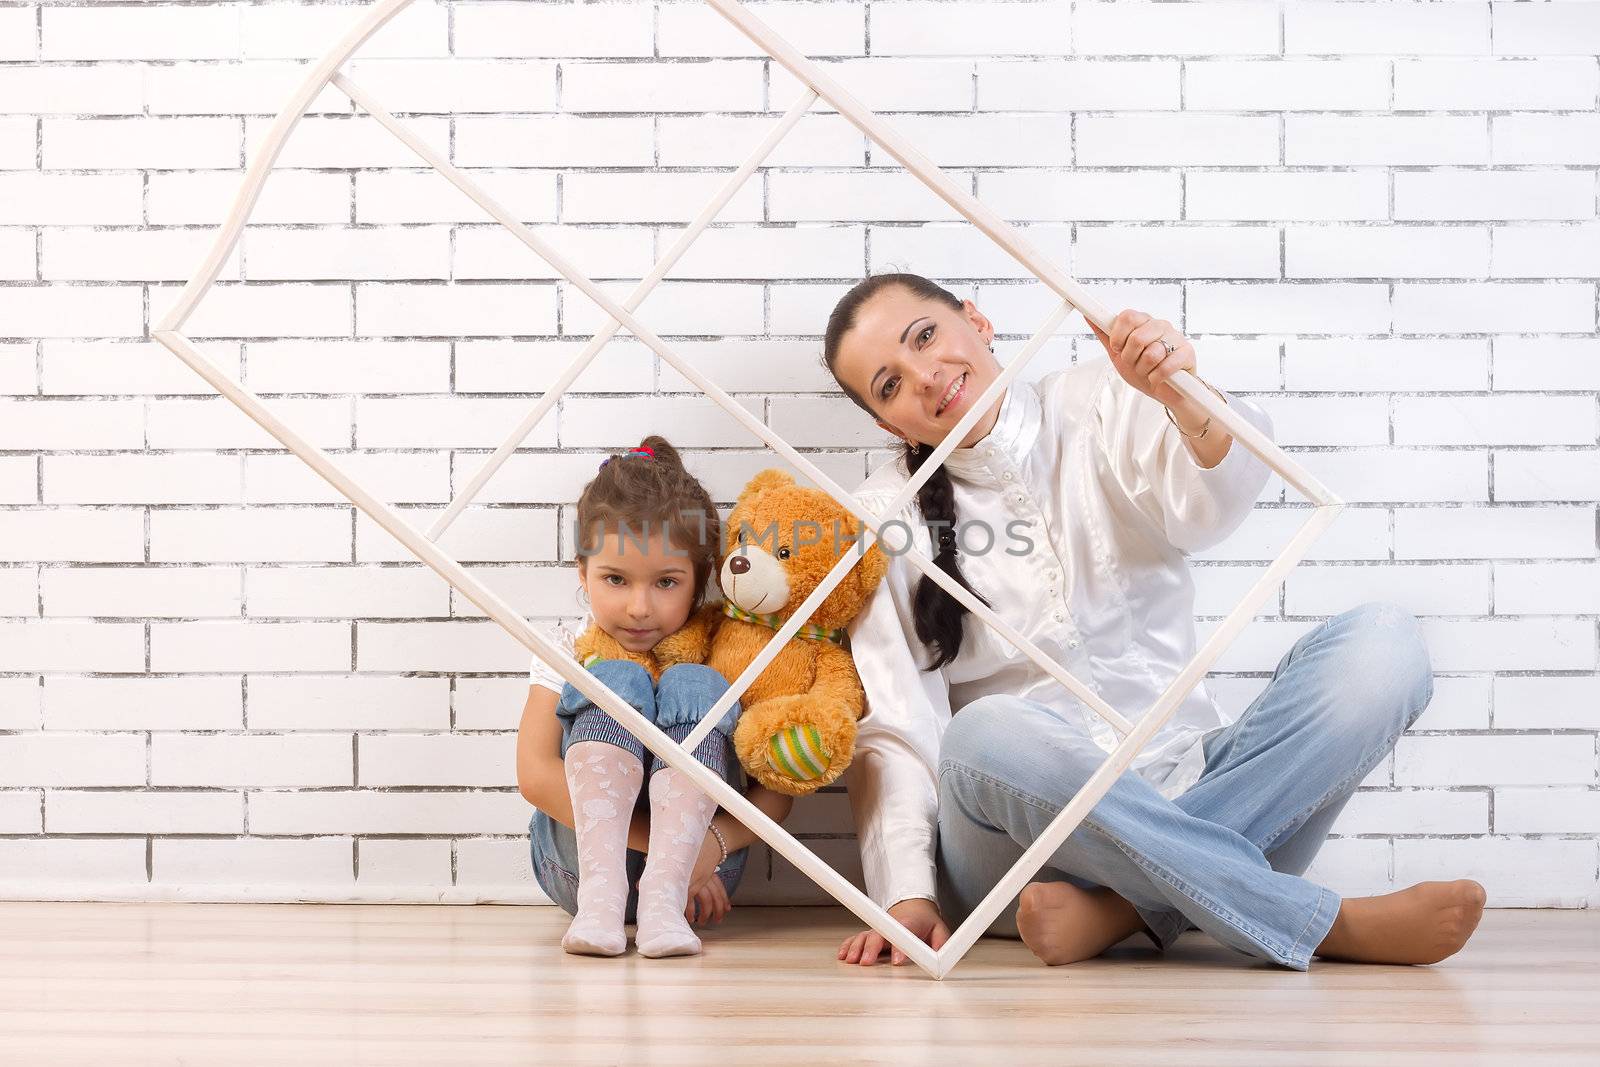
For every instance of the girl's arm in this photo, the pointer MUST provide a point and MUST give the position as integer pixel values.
(775, 806)
(541, 772)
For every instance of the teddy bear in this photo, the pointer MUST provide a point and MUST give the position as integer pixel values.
(798, 726)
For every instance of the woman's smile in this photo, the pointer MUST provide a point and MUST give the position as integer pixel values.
(957, 389)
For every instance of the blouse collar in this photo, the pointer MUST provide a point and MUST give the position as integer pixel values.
(1012, 438)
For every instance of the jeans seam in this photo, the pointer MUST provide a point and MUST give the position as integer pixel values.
(1353, 776)
(1215, 907)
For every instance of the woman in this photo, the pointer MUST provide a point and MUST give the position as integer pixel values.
(1070, 508)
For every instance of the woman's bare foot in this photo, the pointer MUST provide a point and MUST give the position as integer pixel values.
(1062, 923)
(1423, 924)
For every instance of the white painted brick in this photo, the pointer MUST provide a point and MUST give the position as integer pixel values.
(985, 140)
(1484, 195)
(1494, 420)
(655, 198)
(815, 29)
(1415, 811)
(714, 86)
(266, 310)
(533, 366)
(263, 862)
(1244, 196)
(1385, 140)
(216, 422)
(403, 863)
(167, 812)
(19, 704)
(349, 367)
(1529, 702)
(1545, 475)
(1232, 27)
(76, 534)
(1546, 251)
(249, 646)
(18, 370)
(145, 31)
(1511, 644)
(459, 423)
(181, 199)
(19, 591)
(727, 140)
(19, 477)
(102, 90)
(1176, 252)
(1564, 871)
(72, 759)
(919, 28)
(70, 311)
(1546, 363)
(1495, 85)
(346, 592)
(19, 34)
(1459, 703)
(672, 308)
(1547, 588)
(892, 196)
(77, 862)
(405, 477)
(231, 89)
(1356, 28)
(314, 254)
(18, 143)
(367, 811)
(1487, 533)
(489, 535)
(437, 759)
(18, 256)
(1495, 760)
(1086, 196)
(1360, 533)
(141, 143)
(521, 584)
(1522, 139)
(348, 702)
(133, 592)
(1157, 140)
(426, 196)
(751, 367)
(141, 479)
(490, 703)
(1282, 308)
(1285, 85)
(478, 310)
(1546, 811)
(250, 535)
(1388, 251)
(346, 141)
(1385, 364)
(270, 760)
(887, 85)
(1041, 85)
(20, 812)
(1400, 475)
(128, 255)
(493, 252)
(457, 86)
(686, 422)
(305, 31)
(437, 646)
(1494, 307)
(50, 424)
(518, 30)
(1546, 29)
(787, 252)
(1435, 589)
(553, 141)
(151, 703)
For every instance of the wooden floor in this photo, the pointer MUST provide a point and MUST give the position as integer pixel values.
(303, 984)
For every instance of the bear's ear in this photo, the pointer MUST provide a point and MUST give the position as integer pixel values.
(771, 478)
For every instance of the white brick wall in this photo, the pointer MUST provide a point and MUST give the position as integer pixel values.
(1376, 217)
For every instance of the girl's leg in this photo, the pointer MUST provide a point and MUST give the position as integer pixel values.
(679, 811)
(604, 767)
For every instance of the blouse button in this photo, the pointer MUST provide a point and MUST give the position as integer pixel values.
(1072, 643)
(1006, 476)
(1060, 617)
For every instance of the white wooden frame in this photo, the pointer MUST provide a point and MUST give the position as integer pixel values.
(1136, 733)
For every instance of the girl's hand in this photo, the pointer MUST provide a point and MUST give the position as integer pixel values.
(708, 904)
(919, 915)
(705, 865)
(1136, 351)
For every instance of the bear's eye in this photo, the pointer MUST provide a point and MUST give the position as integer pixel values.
(783, 553)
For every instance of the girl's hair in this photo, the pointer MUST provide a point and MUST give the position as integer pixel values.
(938, 615)
(648, 495)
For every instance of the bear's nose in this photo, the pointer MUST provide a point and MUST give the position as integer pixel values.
(739, 564)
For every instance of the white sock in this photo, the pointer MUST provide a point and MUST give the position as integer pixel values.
(679, 816)
(604, 782)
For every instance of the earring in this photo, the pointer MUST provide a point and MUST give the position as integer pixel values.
(582, 596)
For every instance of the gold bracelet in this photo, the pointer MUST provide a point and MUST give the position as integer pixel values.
(1203, 429)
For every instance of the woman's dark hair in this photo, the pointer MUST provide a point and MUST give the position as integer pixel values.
(938, 615)
(655, 494)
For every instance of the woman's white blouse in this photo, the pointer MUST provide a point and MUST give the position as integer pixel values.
(1093, 474)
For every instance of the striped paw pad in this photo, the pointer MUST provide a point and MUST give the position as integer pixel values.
(798, 752)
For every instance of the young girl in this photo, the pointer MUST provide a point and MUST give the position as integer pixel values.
(647, 541)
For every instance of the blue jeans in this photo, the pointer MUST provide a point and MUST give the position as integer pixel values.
(676, 704)
(1226, 855)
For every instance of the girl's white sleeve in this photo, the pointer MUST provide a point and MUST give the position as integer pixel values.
(1196, 506)
(540, 672)
(892, 780)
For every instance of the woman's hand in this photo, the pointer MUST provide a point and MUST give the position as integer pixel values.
(918, 915)
(1135, 348)
(708, 904)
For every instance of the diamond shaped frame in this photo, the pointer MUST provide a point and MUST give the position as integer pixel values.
(1135, 733)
